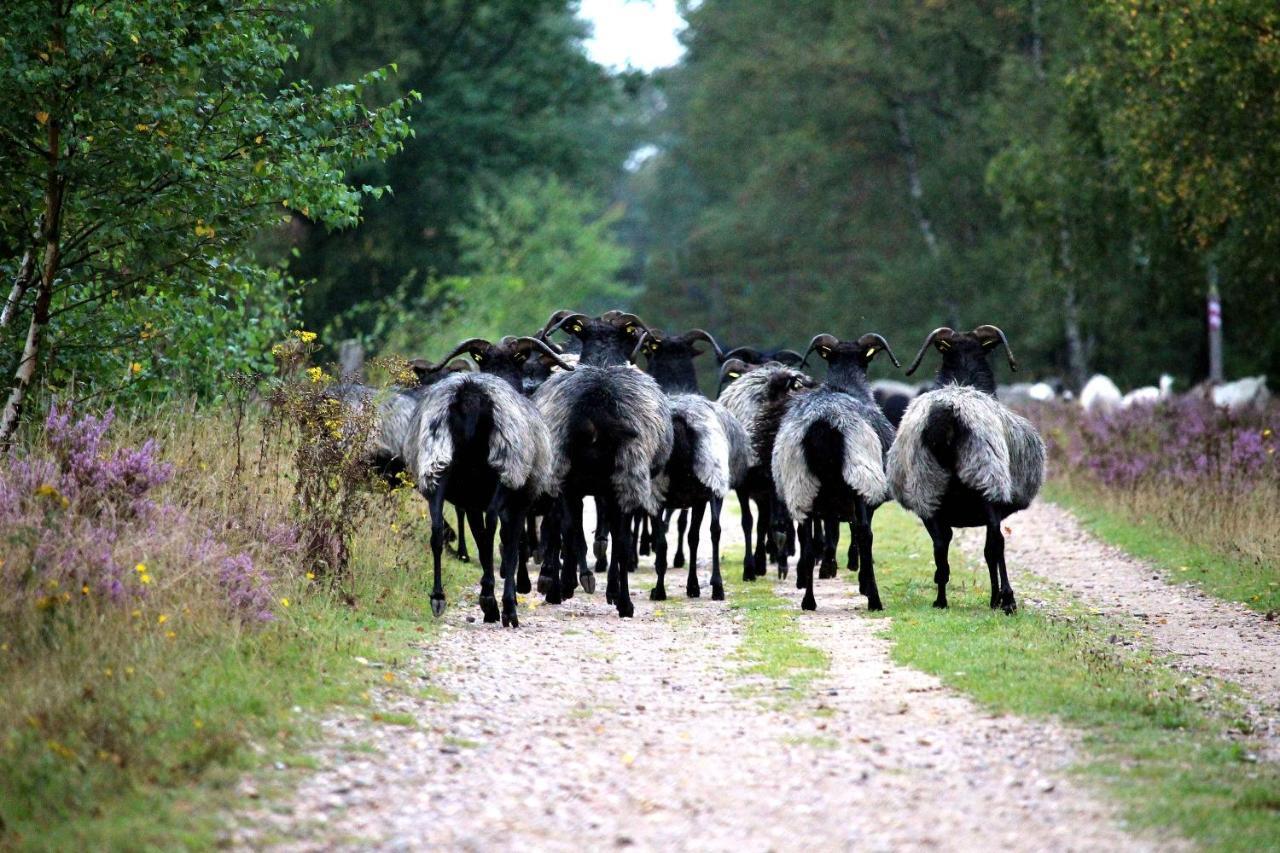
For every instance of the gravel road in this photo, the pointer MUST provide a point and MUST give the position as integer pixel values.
(1198, 632)
(580, 731)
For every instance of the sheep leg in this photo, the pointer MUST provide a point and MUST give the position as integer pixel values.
(511, 513)
(804, 565)
(830, 541)
(483, 534)
(462, 537)
(941, 536)
(866, 568)
(601, 546)
(435, 501)
(523, 552)
(572, 544)
(617, 522)
(994, 552)
(549, 571)
(682, 521)
(659, 591)
(692, 588)
(748, 555)
(585, 575)
(852, 562)
(717, 583)
(791, 539)
(646, 535)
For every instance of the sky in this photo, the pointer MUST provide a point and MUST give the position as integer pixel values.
(640, 34)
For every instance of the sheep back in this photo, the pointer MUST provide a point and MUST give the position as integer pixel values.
(720, 454)
(745, 398)
(999, 455)
(867, 437)
(618, 398)
(519, 444)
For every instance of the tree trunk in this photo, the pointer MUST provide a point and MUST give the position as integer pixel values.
(20, 284)
(52, 238)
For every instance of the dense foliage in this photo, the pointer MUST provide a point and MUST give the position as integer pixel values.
(1069, 172)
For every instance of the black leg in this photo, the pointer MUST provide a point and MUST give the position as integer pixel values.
(483, 534)
(830, 541)
(436, 502)
(717, 583)
(622, 541)
(601, 545)
(941, 536)
(574, 541)
(462, 537)
(682, 519)
(552, 537)
(804, 565)
(994, 552)
(646, 535)
(659, 591)
(852, 562)
(511, 514)
(866, 567)
(748, 556)
(692, 588)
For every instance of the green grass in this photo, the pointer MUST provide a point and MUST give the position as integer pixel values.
(773, 641)
(1250, 581)
(1174, 763)
(194, 716)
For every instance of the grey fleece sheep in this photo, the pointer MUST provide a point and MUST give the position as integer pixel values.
(962, 459)
(828, 458)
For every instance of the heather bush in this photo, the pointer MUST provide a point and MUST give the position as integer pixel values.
(1187, 471)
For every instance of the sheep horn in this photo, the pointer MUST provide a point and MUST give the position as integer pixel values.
(927, 341)
(795, 358)
(695, 334)
(731, 364)
(550, 330)
(635, 353)
(818, 340)
(546, 350)
(875, 338)
(554, 320)
(467, 346)
(995, 330)
(622, 318)
(749, 355)
(422, 368)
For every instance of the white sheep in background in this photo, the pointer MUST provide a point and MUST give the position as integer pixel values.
(1149, 395)
(1250, 393)
(1100, 395)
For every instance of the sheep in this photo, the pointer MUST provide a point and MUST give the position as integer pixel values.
(758, 397)
(893, 397)
(828, 460)
(1149, 395)
(475, 440)
(1248, 394)
(611, 434)
(962, 459)
(1100, 395)
(1023, 393)
(756, 357)
(710, 455)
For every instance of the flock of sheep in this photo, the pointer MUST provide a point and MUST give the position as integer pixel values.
(539, 426)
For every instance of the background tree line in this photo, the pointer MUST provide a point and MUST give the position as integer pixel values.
(1069, 170)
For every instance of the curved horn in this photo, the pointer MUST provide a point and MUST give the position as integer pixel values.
(989, 330)
(695, 334)
(927, 341)
(819, 340)
(556, 317)
(621, 318)
(468, 345)
(750, 355)
(635, 353)
(876, 338)
(792, 356)
(547, 332)
(547, 351)
(731, 364)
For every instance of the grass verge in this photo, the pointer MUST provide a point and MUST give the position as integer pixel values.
(1165, 745)
(1251, 579)
(773, 644)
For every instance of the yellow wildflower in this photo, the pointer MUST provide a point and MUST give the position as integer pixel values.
(316, 374)
(108, 672)
(135, 368)
(162, 619)
(141, 568)
(311, 576)
(84, 589)
(1266, 433)
(170, 634)
(388, 677)
(284, 602)
(198, 723)
(145, 579)
(304, 336)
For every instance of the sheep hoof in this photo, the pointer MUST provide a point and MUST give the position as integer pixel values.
(693, 590)
(588, 582)
(509, 620)
(437, 605)
(808, 603)
(658, 593)
(874, 605)
(782, 572)
(678, 562)
(522, 584)
(828, 570)
(748, 576)
(601, 550)
(489, 605)
(1009, 605)
(717, 592)
(940, 602)
(545, 582)
(626, 609)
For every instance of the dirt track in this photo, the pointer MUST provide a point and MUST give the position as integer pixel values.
(578, 731)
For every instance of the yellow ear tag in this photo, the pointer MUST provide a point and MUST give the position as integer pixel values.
(944, 345)
(871, 351)
(478, 357)
(577, 327)
(733, 374)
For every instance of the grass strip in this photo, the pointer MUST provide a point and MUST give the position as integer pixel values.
(1164, 744)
